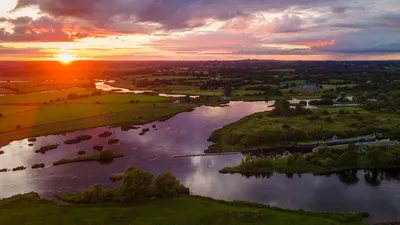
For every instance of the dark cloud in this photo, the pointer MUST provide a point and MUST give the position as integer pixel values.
(43, 29)
(172, 14)
(339, 9)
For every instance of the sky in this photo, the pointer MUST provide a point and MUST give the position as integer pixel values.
(200, 29)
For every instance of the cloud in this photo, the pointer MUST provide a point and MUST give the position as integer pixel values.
(43, 29)
(171, 14)
(285, 24)
(236, 27)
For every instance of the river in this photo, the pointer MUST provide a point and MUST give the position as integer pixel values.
(187, 133)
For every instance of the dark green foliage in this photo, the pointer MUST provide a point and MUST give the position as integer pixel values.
(113, 141)
(328, 119)
(46, 148)
(105, 134)
(323, 160)
(19, 168)
(98, 148)
(36, 166)
(81, 152)
(282, 108)
(168, 186)
(321, 102)
(290, 160)
(106, 156)
(349, 158)
(136, 185)
(78, 139)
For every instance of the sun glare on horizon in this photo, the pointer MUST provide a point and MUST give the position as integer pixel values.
(65, 58)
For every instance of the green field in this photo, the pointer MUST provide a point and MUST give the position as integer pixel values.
(107, 108)
(39, 98)
(29, 209)
(262, 130)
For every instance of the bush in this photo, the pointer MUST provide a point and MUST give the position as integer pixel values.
(105, 134)
(325, 112)
(285, 126)
(81, 152)
(113, 141)
(289, 160)
(349, 158)
(98, 148)
(106, 156)
(40, 165)
(135, 185)
(328, 119)
(167, 185)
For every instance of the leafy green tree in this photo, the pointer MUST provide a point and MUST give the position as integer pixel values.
(166, 184)
(289, 160)
(349, 158)
(135, 185)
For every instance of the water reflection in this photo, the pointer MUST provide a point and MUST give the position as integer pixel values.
(188, 133)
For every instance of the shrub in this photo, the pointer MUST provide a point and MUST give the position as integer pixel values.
(81, 152)
(289, 160)
(348, 158)
(285, 126)
(325, 112)
(113, 141)
(98, 147)
(106, 156)
(46, 148)
(135, 185)
(166, 184)
(105, 134)
(20, 168)
(40, 165)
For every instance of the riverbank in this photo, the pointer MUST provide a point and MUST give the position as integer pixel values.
(264, 130)
(323, 160)
(30, 209)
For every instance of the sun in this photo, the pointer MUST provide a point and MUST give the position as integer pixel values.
(65, 58)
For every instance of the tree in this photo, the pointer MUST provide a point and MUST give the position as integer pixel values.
(349, 158)
(166, 184)
(289, 160)
(135, 185)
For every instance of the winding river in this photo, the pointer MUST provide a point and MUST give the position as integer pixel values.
(187, 133)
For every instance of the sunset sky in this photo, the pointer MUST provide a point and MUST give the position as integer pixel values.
(200, 29)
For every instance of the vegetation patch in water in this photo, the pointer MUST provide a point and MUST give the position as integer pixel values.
(104, 157)
(1, 152)
(113, 141)
(323, 160)
(78, 139)
(37, 166)
(20, 168)
(105, 134)
(129, 127)
(3, 170)
(32, 139)
(98, 148)
(81, 152)
(46, 148)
